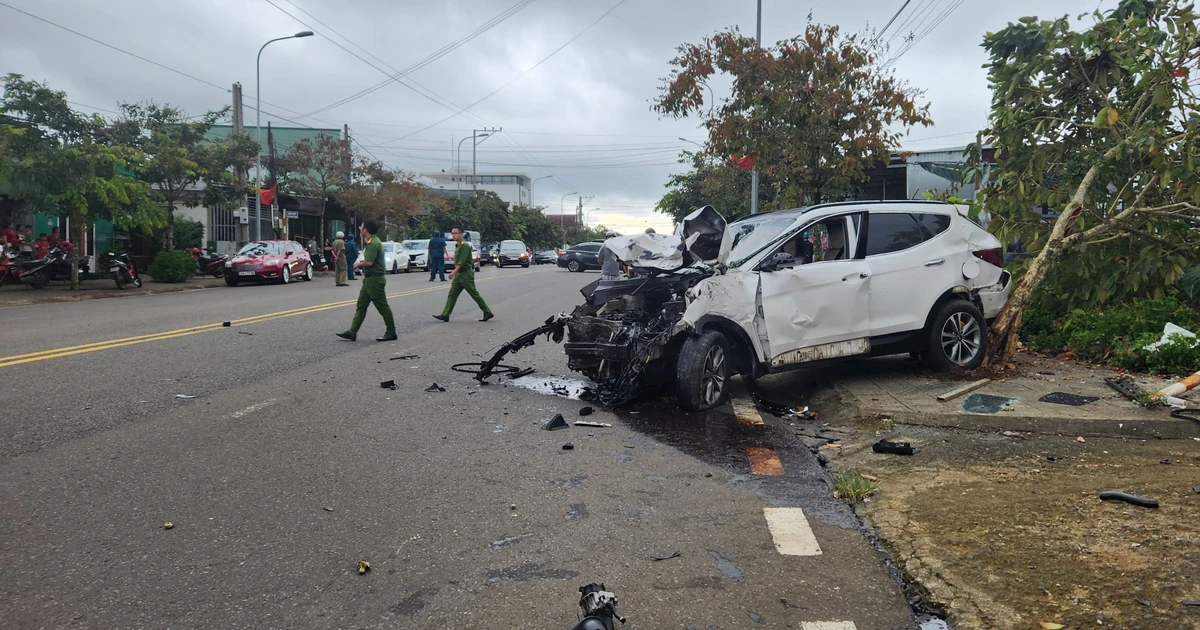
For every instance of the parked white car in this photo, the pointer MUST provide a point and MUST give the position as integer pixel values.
(785, 289)
(413, 254)
(391, 256)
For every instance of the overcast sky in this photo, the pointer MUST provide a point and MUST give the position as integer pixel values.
(582, 116)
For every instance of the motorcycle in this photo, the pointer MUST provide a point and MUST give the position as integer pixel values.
(55, 266)
(10, 268)
(210, 264)
(124, 271)
(599, 608)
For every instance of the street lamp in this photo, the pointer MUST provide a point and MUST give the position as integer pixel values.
(562, 208)
(458, 168)
(532, 184)
(693, 142)
(258, 128)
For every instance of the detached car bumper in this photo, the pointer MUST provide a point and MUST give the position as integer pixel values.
(994, 297)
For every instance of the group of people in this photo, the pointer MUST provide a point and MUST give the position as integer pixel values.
(374, 282)
(20, 239)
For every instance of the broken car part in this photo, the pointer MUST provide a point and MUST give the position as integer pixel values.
(1132, 499)
(1125, 387)
(1188, 413)
(599, 608)
(586, 411)
(673, 555)
(553, 329)
(893, 448)
(568, 446)
(584, 423)
(965, 389)
(555, 423)
(435, 388)
(1064, 398)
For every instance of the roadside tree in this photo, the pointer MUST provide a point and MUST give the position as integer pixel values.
(317, 169)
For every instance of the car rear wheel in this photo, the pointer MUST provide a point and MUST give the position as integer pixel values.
(574, 266)
(702, 371)
(957, 337)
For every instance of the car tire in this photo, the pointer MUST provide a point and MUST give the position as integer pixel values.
(957, 337)
(702, 371)
(574, 266)
(231, 281)
(285, 275)
(525, 266)
(308, 273)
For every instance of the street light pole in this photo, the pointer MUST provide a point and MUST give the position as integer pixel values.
(458, 167)
(754, 174)
(258, 129)
(562, 208)
(531, 186)
(474, 185)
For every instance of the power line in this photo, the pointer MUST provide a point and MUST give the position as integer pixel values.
(889, 22)
(936, 22)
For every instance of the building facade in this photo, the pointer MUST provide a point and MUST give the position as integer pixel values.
(512, 188)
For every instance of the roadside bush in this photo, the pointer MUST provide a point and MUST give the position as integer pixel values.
(172, 266)
(1117, 335)
(188, 233)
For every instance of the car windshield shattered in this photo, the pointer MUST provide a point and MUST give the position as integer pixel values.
(749, 236)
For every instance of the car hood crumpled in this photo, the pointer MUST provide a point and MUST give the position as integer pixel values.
(701, 237)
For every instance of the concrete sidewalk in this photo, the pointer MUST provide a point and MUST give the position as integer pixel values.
(98, 288)
(900, 390)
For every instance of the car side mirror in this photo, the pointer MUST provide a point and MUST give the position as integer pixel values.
(777, 261)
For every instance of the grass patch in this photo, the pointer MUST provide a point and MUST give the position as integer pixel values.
(852, 486)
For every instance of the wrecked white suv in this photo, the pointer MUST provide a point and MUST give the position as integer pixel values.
(784, 289)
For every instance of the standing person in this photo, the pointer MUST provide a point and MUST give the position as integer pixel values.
(435, 257)
(374, 288)
(41, 247)
(462, 278)
(339, 261)
(610, 267)
(313, 253)
(328, 255)
(351, 257)
(54, 239)
(11, 239)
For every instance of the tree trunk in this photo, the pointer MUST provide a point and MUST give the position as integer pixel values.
(169, 233)
(76, 220)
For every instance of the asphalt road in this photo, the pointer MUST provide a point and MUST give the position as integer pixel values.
(291, 464)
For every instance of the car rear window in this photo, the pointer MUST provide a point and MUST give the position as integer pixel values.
(933, 224)
(897, 231)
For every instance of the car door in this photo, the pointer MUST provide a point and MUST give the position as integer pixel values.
(590, 255)
(819, 308)
(912, 263)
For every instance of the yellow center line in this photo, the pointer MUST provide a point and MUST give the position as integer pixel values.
(195, 330)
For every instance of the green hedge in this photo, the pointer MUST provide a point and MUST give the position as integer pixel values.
(1117, 335)
(172, 266)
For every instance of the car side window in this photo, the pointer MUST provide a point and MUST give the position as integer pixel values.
(894, 231)
(933, 224)
(826, 240)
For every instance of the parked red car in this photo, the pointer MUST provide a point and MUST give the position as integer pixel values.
(263, 261)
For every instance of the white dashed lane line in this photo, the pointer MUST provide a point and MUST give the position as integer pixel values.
(791, 532)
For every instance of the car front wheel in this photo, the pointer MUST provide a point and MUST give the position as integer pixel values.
(957, 337)
(285, 276)
(702, 371)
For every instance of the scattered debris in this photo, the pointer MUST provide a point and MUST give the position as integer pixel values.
(168, 525)
(1080, 439)
(389, 385)
(1124, 386)
(985, 403)
(555, 423)
(505, 542)
(726, 567)
(577, 511)
(1169, 330)
(710, 474)
(245, 332)
(227, 324)
(586, 411)
(1046, 373)
(520, 373)
(1165, 461)
(556, 386)
(673, 555)
(1145, 602)
(435, 388)
(363, 566)
(965, 389)
(405, 357)
(1015, 434)
(568, 446)
(553, 329)
(870, 477)
(1190, 413)
(1064, 398)
(1191, 602)
(1196, 489)
(327, 509)
(1050, 625)
(584, 423)
(1132, 499)
(894, 448)
(755, 617)
(184, 396)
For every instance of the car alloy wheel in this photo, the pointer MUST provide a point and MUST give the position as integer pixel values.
(574, 266)
(308, 273)
(286, 275)
(962, 338)
(713, 383)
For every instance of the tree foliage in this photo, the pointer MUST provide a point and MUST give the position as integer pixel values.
(716, 182)
(181, 162)
(815, 111)
(379, 192)
(317, 169)
(1101, 126)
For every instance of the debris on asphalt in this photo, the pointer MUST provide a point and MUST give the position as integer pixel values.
(504, 542)
(894, 448)
(1132, 499)
(586, 411)
(388, 385)
(1145, 602)
(1080, 439)
(245, 332)
(779, 409)
(363, 566)
(726, 567)
(965, 389)
(1191, 602)
(184, 396)
(327, 509)
(673, 555)
(705, 474)
(1064, 398)
(985, 403)
(577, 511)
(227, 324)
(1050, 625)
(1124, 386)
(1046, 373)
(555, 423)
(168, 525)
(1190, 413)
(586, 423)
(554, 328)
(1165, 461)
(870, 477)
(568, 446)
(755, 617)
(1196, 489)
(405, 357)
(520, 373)
(435, 388)
(1015, 434)
(513, 506)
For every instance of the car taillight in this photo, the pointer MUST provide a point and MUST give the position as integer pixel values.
(994, 256)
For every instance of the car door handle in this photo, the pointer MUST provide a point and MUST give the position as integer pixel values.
(861, 275)
(935, 262)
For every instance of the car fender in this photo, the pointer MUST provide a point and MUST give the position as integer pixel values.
(728, 303)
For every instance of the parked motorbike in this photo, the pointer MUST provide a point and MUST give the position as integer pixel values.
(124, 271)
(55, 266)
(10, 268)
(212, 264)
(599, 608)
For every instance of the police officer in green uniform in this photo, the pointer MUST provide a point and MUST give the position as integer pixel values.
(374, 289)
(462, 278)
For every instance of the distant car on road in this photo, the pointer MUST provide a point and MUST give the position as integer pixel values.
(450, 256)
(266, 261)
(391, 256)
(413, 254)
(547, 257)
(512, 253)
(487, 253)
(581, 257)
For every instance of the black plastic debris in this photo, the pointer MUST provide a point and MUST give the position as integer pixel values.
(586, 411)
(1165, 461)
(568, 446)
(1196, 489)
(555, 423)
(1190, 602)
(1124, 387)
(405, 357)
(893, 448)
(1043, 373)
(1189, 413)
(388, 385)
(1064, 398)
(435, 388)
(245, 332)
(520, 373)
(986, 403)
(327, 509)
(227, 324)
(1132, 499)
(673, 555)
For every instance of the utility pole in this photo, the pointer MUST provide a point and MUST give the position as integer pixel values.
(754, 174)
(474, 143)
(238, 129)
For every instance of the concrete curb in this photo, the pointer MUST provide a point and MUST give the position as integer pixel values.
(1167, 428)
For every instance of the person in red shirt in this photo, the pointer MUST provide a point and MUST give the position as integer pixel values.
(53, 239)
(11, 239)
(41, 247)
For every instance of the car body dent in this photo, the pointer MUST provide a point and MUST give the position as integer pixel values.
(702, 235)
